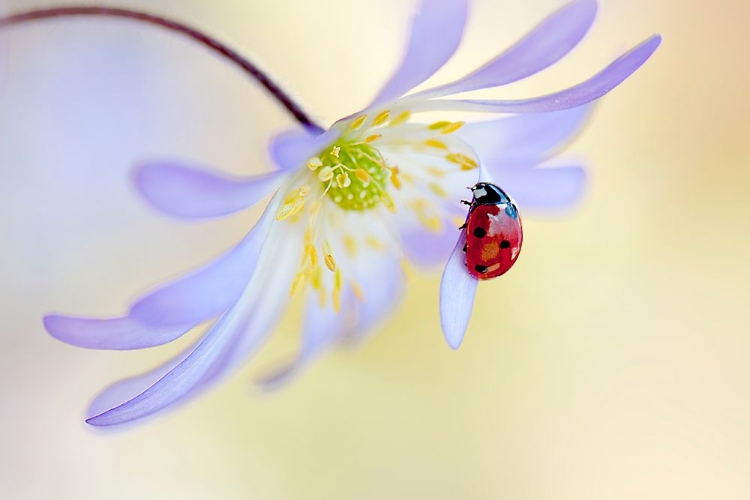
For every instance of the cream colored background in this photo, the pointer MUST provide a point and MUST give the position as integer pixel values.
(612, 363)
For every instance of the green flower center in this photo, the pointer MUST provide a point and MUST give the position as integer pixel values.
(354, 176)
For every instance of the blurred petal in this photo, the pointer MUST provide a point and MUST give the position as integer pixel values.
(112, 333)
(532, 137)
(583, 93)
(436, 31)
(457, 290)
(543, 46)
(382, 280)
(425, 248)
(210, 291)
(322, 327)
(291, 149)
(197, 192)
(543, 189)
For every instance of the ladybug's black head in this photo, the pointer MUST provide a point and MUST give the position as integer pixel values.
(486, 193)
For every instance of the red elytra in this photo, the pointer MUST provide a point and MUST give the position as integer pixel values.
(493, 232)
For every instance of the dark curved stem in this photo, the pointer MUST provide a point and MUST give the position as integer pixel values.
(207, 41)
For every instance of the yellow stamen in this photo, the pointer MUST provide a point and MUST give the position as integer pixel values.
(439, 125)
(381, 118)
(351, 245)
(452, 127)
(335, 151)
(288, 210)
(372, 138)
(298, 283)
(313, 253)
(304, 190)
(328, 257)
(436, 171)
(463, 160)
(402, 118)
(314, 163)
(362, 175)
(375, 243)
(388, 202)
(357, 291)
(395, 179)
(343, 180)
(358, 122)
(325, 174)
(435, 143)
(336, 298)
(438, 190)
(338, 281)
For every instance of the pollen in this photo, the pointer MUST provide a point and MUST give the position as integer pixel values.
(436, 143)
(464, 161)
(381, 118)
(372, 138)
(326, 174)
(343, 180)
(439, 125)
(335, 151)
(400, 119)
(449, 129)
(328, 257)
(314, 163)
(358, 122)
(362, 175)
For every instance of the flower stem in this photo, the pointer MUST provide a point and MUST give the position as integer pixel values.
(207, 41)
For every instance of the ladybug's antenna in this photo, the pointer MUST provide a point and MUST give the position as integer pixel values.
(207, 41)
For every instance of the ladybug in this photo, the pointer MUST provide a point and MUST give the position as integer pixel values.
(493, 232)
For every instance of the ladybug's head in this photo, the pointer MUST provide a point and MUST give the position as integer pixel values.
(486, 193)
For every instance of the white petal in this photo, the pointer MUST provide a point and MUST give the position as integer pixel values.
(457, 291)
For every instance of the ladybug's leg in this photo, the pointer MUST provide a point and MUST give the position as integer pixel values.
(466, 202)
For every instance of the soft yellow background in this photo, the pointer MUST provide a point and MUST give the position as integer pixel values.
(612, 363)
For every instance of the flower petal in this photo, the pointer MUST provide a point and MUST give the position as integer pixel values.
(130, 387)
(197, 192)
(112, 333)
(178, 382)
(436, 31)
(382, 280)
(546, 44)
(457, 290)
(593, 88)
(425, 248)
(531, 138)
(208, 292)
(322, 327)
(543, 189)
(230, 340)
(291, 149)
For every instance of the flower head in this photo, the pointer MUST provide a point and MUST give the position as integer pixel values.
(352, 204)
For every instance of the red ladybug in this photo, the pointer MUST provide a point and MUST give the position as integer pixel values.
(493, 232)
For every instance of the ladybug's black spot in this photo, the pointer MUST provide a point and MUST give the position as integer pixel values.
(465, 246)
(479, 232)
(480, 269)
(505, 244)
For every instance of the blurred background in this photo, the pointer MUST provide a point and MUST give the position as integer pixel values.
(612, 363)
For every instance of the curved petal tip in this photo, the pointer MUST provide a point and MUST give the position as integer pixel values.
(457, 290)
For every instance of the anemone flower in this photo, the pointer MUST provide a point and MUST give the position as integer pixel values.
(351, 204)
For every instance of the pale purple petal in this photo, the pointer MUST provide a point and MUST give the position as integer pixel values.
(130, 387)
(436, 32)
(382, 280)
(322, 327)
(543, 189)
(457, 290)
(178, 382)
(208, 292)
(546, 44)
(290, 150)
(583, 93)
(532, 138)
(426, 248)
(111, 333)
(194, 192)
